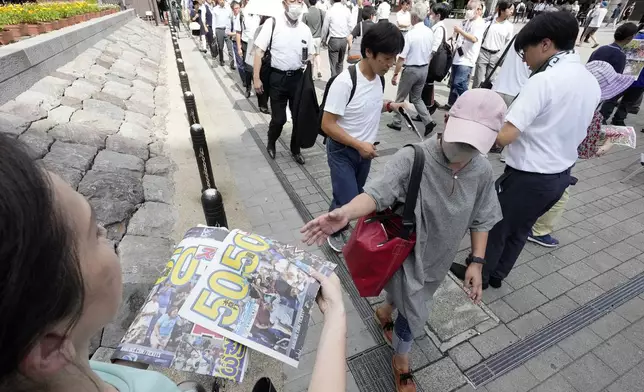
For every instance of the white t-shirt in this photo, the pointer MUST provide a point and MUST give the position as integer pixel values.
(471, 49)
(498, 35)
(286, 50)
(361, 117)
(384, 9)
(418, 45)
(439, 32)
(598, 17)
(552, 112)
(337, 22)
(512, 75)
(403, 18)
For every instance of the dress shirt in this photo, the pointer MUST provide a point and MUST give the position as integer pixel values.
(337, 22)
(439, 32)
(288, 40)
(418, 45)
(247, 24)
(221, 16)
(205, 7)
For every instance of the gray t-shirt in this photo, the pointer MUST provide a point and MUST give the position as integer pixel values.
(314, 18)
(448, 206)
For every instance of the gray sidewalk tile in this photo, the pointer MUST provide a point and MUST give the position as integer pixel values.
(631, 226)
(525, 299)
(522, 275)
(546, 264)
(585, 292)
(298, 385)
(620, 354)
(555, 383)
(548, 363)
(631, 268)
(305, 367)
(517, 380)
(592, 244)
(440, 376)
(351, 383)
(558, 307)
(609, 325)
(631, 381)
(553, 285)
(578, 272)
(569, 253)
(493, 341)
(470, 388)
(623, 251)
(637, 241)
(528, 323)
(580, 343)
(601, 261)
(465, 356)
(491, 294)
(589, 374)
(503, 311)
(632, 310)
(609, 280)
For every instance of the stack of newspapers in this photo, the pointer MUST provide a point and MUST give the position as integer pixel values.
(221, 293)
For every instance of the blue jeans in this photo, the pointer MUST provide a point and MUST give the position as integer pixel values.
(402, 339)
(459, 80)
(349, 172)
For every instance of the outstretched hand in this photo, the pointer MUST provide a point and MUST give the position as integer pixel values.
(474, 282)
(320, 228)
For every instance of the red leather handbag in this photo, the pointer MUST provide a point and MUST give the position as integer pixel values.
(381, 242)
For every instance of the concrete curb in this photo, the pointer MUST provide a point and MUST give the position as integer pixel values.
(24, 63)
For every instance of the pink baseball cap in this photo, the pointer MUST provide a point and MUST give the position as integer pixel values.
(475, 119)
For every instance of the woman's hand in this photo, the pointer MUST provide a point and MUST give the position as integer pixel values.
(330, 298)
(317, 230)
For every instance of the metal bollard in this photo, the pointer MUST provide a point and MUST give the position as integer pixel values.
(185, 83)
(177, 52)
(180, 65)
(213, 208)
(202, 155)
(191, 107)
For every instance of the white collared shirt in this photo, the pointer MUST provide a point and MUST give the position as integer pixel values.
(498, 35)
(418, 45)
(439, 32)
(337, 22)
(553, 112)
(471, 49)
(288, 40)
(221, 16)
(248, 27)
(384, 10)
(403, 18)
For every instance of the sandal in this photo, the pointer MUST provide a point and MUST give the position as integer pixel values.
(404, 381)
(387, 326)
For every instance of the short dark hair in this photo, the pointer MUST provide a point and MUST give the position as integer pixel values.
(441, 9)
(560, 27)
(313, 2)
(368, 12)
(625, 31)
(382, 38)
(502, 6)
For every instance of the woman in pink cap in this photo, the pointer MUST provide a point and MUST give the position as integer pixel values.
(456, 195)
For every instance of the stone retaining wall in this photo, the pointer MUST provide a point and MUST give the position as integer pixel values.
(24, 63)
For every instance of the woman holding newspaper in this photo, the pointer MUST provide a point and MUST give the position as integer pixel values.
(60, 284)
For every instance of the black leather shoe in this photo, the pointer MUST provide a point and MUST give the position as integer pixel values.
(222, 63)
(232, 66)
(264, 385)
(429, 128)
(432, 108)
(299, 158)
(394, 126)
(458, 270)
(247, 93)
(264, 110)
(271, 151)
(496, 282)
(416, 118)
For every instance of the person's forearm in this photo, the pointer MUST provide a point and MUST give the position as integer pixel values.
(507, 134)
(399, 65)
(349, 41)
(335, 132)
(360, 206)
(238, 40)
(257, 63)
(469, 37)
(479, 242)
(329, 372)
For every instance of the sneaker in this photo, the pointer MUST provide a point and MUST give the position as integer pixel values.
(337, 241)
(544, 240)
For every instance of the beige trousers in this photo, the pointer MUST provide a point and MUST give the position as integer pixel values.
(546, 223)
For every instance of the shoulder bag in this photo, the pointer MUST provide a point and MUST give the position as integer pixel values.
(265, 69)
(381, 242)
(355, 53)
(487, 83)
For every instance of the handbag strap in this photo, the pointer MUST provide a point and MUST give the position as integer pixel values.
(270, 43)
(408, 217)
(500, 60)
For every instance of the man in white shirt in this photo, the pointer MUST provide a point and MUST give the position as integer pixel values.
(207, 17)
(438, 13)
(468, 46)
(415, 58)
(231, 35)
(403, 17)
(597, 17)
(351, 122)
(541, 134)
(496, 37)
(383, 12)
(221, 17)
(290, 40)
(245, 29)
(335, 30)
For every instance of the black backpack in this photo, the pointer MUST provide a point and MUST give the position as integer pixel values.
(354, 81)
(441, 62)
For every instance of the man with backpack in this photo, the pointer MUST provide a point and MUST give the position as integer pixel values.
(314, 18)
(351, 107)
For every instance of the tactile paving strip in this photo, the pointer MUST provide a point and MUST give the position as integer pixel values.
(517, 354)
(372, 370)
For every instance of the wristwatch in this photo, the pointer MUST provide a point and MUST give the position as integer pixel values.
(473, 259)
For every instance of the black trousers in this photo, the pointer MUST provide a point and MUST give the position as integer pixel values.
(262, 99)
(524, 197)
(210, 40)
(282, 87)
(627, 102)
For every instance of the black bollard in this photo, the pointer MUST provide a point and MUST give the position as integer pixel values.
(213, 208)
(185, 83)
(180, 65)
(191, 107)
(200, 146)
(177, 53)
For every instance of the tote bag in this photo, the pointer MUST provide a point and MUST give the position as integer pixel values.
(381, 242)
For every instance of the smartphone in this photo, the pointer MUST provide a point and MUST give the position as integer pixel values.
(376, 143)
(460, 51)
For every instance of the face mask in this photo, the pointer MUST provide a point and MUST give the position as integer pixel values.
(458, 152)
(470, 14)
(295, 11)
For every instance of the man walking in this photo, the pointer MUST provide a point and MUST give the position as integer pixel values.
(337, 27)
(597, 17)
(468, 46)
(351, 122)
(315, 20)
(235, 27)
(286, 37)
(495, 38)
(415, 58)
(222, 16)
(206, 11)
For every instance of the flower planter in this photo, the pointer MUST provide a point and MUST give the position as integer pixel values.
(56, 24)
(48, 26)
(8, 36)
(41, 28)
(29, 29)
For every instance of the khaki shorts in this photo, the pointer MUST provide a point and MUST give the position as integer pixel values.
(317, 42)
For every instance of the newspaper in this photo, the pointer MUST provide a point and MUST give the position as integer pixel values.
(159, 336)
(260, 294)
(620, 135)
(634, 51)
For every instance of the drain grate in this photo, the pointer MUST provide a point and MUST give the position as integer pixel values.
(517, 354)
(372, 370)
